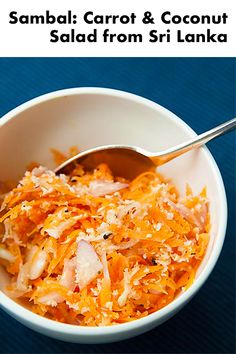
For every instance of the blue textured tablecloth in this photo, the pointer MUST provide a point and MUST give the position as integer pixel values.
(202, 92)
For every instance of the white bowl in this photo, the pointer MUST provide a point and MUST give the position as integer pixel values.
(90, 117)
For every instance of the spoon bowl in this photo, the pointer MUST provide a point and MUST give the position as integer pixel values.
(123, 161)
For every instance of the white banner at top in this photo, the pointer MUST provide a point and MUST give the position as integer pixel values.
(121, 28)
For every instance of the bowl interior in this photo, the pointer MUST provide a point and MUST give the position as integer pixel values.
(89, 119)
(85, 120)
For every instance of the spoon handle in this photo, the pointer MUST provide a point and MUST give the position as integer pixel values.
(196, 142)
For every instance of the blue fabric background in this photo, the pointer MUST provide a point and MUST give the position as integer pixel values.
(202, 92)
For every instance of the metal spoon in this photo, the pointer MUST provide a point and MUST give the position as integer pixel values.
(129, 161)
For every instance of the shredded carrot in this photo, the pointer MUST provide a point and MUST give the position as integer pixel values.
(60, 157)
(94, 250)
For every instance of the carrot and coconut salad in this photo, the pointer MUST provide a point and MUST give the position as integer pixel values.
(94, 250)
